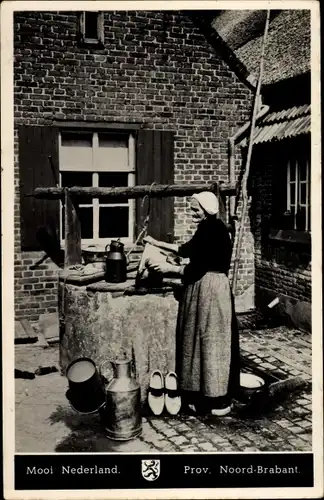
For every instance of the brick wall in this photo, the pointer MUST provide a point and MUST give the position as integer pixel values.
(155, 69)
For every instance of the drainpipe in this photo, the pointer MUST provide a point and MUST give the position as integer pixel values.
(231, 157)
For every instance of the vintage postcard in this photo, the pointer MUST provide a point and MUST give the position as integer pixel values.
(161, 250)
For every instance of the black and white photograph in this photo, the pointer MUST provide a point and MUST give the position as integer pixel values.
(161, 212)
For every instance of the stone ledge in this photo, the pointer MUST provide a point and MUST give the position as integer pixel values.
(290, 236)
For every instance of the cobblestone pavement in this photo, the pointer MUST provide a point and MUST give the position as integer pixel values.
(46, 423)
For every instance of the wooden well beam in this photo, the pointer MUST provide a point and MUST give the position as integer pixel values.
(154, 191)
(69, 197)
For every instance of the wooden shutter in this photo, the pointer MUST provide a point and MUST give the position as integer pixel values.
(38, 167)
(155, 163)
(277, 155)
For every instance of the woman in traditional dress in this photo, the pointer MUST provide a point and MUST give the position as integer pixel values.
(207, 334)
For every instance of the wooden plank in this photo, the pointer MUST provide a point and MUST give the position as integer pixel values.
(153, 168)
(144, 155)
(36, 145)
(19, 331)
(286, 385)
(72, 237)
(24, 332)
(167, 176)
(127, 192)
(30, 332)
(27, 158)
(218, 193)
(71, 125)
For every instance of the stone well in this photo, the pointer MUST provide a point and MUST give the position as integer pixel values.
(106, 322)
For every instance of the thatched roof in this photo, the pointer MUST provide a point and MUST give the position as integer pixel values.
(287, 52)
(237, 27)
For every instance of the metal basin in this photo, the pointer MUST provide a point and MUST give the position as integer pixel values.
(250, 386)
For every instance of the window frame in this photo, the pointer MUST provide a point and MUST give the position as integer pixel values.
(96, 204)
(91, 42)
(296, 162)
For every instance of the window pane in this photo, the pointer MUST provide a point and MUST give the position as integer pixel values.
(78, 140)
(292, 193)
(302, 170)
(301, 218)
(292, 165)
(86, 221)
(113, 179)
(302, 192)
(113, 140)
(84, 179)
(76, 151)
(91, 30)
(113, 222)
(112, 153)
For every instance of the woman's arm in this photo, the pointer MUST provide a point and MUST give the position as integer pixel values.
(167, 269)
(173, 247)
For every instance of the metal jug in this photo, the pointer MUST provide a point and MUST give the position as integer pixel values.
(121, 416)
(116, 263)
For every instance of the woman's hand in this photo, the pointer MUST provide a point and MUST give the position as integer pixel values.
(159, 267)
(164, 268)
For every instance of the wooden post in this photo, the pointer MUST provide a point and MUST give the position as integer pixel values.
(72, 237)
(222, 211)
(248, 160)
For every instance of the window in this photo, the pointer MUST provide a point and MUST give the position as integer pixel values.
(99, 159)
(91, 28)
(76, 153)
(298, 194)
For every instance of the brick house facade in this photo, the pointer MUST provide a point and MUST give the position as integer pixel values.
(130, 72)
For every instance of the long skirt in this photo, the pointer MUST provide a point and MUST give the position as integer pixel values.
(207, 338)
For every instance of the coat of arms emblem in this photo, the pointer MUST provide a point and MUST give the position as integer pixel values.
(150, 469)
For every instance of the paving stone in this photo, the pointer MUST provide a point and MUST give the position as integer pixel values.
(297, 443)
(183, 428)
(301, 412)
(302, 401)
(306, 436)
(157, 424)
(190, 449)
(169, 432)
(305, 424)
(166, 445)
(207, 446)
(179, 440)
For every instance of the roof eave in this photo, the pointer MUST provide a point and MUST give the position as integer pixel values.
(218, 43)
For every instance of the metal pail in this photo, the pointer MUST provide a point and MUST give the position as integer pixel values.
(86, 391)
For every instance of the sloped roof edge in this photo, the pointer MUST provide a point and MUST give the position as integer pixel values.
(216, 41)
(283, 124)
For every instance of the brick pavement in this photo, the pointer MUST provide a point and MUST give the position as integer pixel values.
(287, 426)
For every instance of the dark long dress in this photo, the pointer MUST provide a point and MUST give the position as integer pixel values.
(207, 334)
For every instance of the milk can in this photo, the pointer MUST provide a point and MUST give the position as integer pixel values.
(116, 263)
(121, 416)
